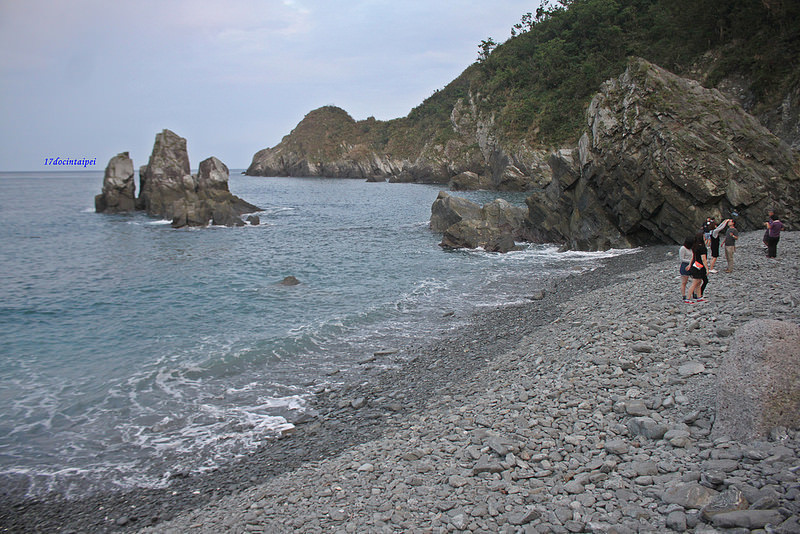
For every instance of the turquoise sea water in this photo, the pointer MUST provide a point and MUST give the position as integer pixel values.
(130, 351)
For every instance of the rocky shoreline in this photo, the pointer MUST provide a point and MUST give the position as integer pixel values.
(527, 422)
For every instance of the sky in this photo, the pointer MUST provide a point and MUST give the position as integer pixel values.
(88, 79)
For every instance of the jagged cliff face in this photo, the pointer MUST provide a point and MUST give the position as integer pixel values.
(662, 153)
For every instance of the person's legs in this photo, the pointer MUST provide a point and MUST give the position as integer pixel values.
(729, 258)
(772, 247)
(714, 254)
(693, 287)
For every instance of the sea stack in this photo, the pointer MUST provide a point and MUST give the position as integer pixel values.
(167, 177)
(119, 188)
(169, 190)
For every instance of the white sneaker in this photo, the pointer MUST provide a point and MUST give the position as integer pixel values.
(713, 271)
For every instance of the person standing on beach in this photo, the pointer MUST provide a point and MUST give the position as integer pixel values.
(714, 243)
(774, 227)
(699, 268)
(731, 235)
(685, 257)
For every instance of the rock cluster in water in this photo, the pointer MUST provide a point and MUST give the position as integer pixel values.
(169, 190)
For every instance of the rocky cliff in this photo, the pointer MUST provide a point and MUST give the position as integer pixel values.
(661, 153)
(329, 143)
(169, 190)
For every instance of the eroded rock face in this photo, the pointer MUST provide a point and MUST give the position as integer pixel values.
(119, 188)
(661, 154)
(210, 201)
(477, 233)
(329, 143)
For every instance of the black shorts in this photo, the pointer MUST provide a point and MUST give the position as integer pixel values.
(684, 268)
(714, 247)
(697, 274)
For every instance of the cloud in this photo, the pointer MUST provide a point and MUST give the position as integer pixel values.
(93, 74)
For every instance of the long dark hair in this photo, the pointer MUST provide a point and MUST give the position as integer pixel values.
(699, 244)
(688, 242)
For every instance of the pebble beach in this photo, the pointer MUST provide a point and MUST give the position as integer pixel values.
(541, 439)
(588, 409)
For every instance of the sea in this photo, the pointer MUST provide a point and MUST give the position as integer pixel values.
(131, 351)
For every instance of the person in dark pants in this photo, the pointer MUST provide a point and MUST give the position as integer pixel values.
(774, 228)
(770, 215)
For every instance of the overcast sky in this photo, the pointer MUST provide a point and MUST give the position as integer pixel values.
(92, 78)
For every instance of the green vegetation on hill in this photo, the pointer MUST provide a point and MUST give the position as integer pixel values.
(540, 81)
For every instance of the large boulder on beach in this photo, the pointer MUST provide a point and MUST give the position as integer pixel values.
(448, 210)
(119, 188)
(759, 381)
(493, 227)
(504, 216)
(662, 153)
(477, 233)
